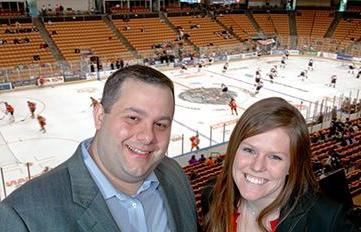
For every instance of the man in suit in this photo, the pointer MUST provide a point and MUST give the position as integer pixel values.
(119, 180)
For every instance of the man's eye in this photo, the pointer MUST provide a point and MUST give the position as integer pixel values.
(161, 126)
(133, 118)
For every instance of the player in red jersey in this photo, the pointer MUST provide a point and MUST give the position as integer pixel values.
(32, 108)
(41, 81)
(94, 103)
(10, 110)
(233, 106)
(194, 142)
(42, 123)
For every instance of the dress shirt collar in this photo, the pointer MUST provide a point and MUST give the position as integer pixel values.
(105, 186)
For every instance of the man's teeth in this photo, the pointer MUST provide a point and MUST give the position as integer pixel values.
(137, 150)
(255, 180)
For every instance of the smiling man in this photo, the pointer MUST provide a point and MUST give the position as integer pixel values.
(119, 180)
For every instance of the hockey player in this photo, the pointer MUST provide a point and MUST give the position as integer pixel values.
(225, 67)
(200, 66)
(287, 54)
(274, 71)
(42, 123)
(224, 88)
(233, 106)
(283, 62)
(358, 74)
(183, 67)
(94, 101)
(303, 75)
(41, 81)
(333, 81)
(257, 79)
(351, 68)
(32, 108)
(195, 141)
(10, 110)
(271, 77)
(259, 86)
(310, 64)
(258, 73)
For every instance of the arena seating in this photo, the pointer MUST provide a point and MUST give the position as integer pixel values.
(93, 35)
(206, 34)
(143, 33)
(22, 52)
(305, 21)
(348, 30)
(264, 21)
(240, 24)
(324, 19)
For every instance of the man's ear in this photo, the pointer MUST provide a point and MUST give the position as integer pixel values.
(98, 115)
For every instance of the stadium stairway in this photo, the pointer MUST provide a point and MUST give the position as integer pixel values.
(333, 25)
(292, 28)
(47, 39)
(163, 17)
(230, 31)
(120, 36)
(254, 22)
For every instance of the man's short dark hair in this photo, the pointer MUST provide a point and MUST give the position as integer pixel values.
(142, 73)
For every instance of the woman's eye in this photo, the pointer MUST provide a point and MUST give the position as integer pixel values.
(248, 150)
(275, 157)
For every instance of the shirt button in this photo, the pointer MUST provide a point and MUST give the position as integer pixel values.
(134, 205)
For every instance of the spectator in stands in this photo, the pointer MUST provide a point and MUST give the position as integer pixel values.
(16, 41)
(333, 160)
(119, 180)
(348, 124)
(126, 27)
(43, 11)
(3, 41)
(202, 159)
(267, 180)
(347, 138)
(317, 166)
(193, 175)
(219, 159)
(34, 29)
(193, 160)
(210, 161)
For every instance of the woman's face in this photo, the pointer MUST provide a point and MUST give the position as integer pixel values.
(261, 165)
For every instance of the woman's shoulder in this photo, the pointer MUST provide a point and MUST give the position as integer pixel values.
(328, 213)
(316, 212)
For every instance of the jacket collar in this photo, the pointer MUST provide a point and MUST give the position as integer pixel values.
(306, 202)
(85, 193)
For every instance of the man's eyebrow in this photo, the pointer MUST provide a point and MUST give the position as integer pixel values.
(142, 112)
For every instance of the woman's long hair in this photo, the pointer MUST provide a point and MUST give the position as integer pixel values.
(262, 116)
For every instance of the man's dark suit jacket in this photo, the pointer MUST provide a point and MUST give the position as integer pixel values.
(67, 199)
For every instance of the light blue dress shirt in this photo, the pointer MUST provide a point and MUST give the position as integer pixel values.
(143, 212)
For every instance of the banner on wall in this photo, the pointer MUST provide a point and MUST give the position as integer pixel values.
(294, 52)
(6, 86)
(344, 57)
(52, 80)
(329, 55)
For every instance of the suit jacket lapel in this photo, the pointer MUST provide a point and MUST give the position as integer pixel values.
(97, 216)
(167, 190)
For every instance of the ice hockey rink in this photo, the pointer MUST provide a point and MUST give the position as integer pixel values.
(69, 114)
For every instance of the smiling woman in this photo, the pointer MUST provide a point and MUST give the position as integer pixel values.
(267, 183)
